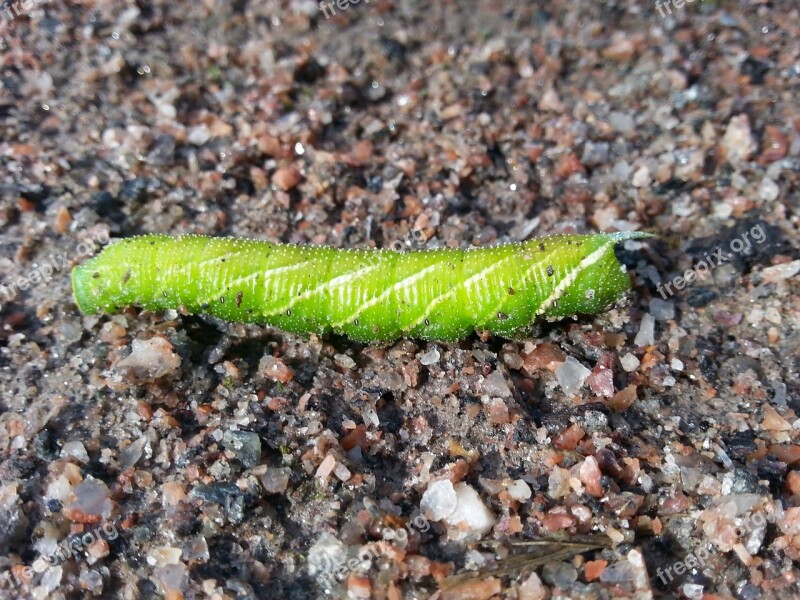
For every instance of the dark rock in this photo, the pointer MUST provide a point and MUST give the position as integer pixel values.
(754, 69)
(741, 444)
(134, 190)
(392, 49)
(773, 470)
(308, 71)
(744, 482)
(700, 297)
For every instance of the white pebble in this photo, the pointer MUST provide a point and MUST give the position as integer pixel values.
(768, 190)
(780, 272)
(76, 450)
(693, 591)
(738, 140)
(647, 331)
(571, 374)
(641, 178)
(150, 359)
(198, 135)
(471, 518)
(629, 362)
(431, 357)
(439, 500)
(344, 361)
(519, 490)
(164, 555)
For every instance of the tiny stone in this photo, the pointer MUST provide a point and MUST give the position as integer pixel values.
(621, 572)
(275, 369)
(171, 577)
(275, 480)
(768, 190)
(246, 445)
(344, 361)
(621, 171)
(326, 467)
(431, 357)
(198, 135)
(51, 579)
(571, 374)
(646, 335)
(693, 591)
(471, 516)
(439, 500)
(164, 556)
(641, 178)
(519, 490)
(497, 411)
(196, 550)
(780, 272)
(326, 555)
(495, 385)
(91, 501)
(287, 178)
(532, 589)
(13, 520)
(342, 472)
(622, 122)
(513, 360)
(738, 140)
(595, 154)
(76, 450)
(91, 581)
(560, 574)
(149, 359)
(662, 310)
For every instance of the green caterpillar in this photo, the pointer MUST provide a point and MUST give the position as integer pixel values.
(367, 295)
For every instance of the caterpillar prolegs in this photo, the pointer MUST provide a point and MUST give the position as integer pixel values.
(367, 295)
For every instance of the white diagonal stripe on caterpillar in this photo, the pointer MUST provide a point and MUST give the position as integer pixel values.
(227, 255)
(402, 283)
(336, 281)
(440, 298)
(570, 278)
(251, 277)
(520, 284)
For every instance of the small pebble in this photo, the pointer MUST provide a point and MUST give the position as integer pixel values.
(662, 310)
(738, 141)
(571, 375)
(287, 178)
(344, 361)
(198, 135)
(646, 334)
(76, 450)
(431, 357)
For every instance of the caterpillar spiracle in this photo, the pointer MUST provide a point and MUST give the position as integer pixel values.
(367, 295)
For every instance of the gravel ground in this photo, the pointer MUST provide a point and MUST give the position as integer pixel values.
(652, 451)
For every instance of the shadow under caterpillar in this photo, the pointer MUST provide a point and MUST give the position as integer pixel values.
(367, 295)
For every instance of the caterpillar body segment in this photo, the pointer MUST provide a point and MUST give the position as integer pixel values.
(367, 295)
